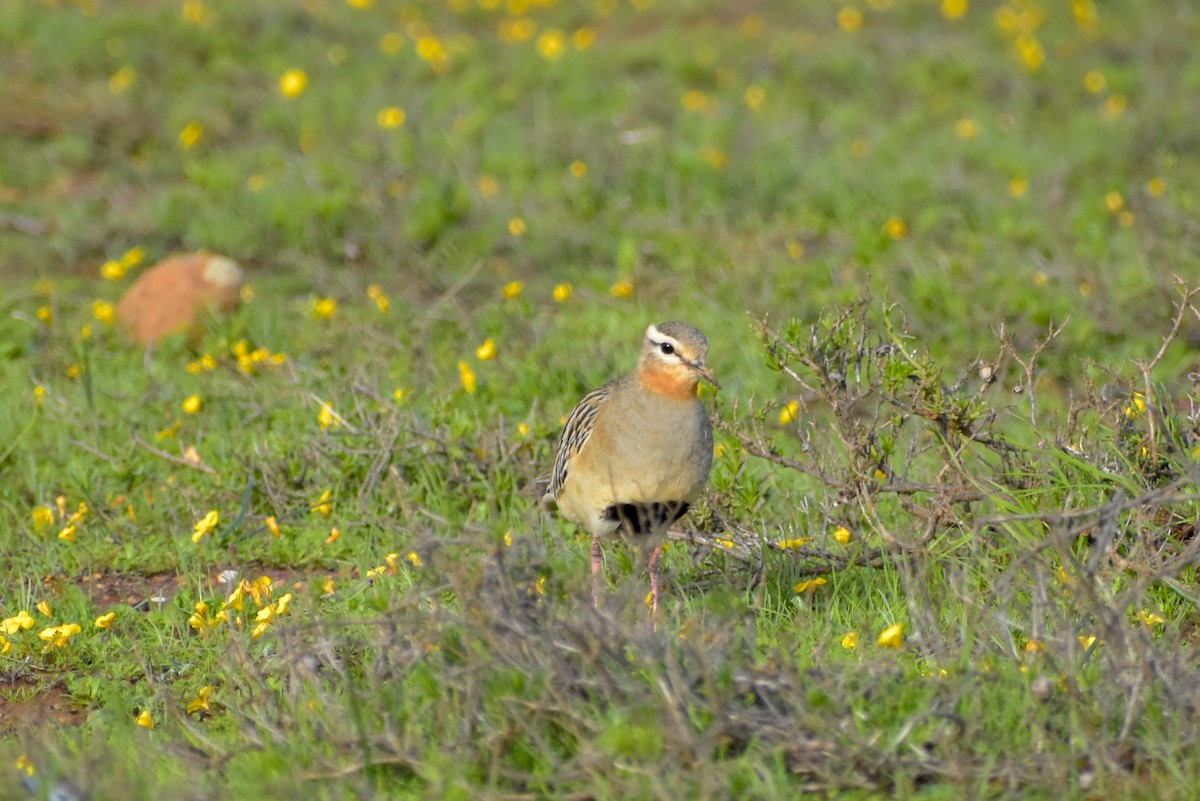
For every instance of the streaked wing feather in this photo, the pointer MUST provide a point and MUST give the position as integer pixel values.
(576, 432)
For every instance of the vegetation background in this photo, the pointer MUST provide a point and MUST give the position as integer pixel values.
(946, 256)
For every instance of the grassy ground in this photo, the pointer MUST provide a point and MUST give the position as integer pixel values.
(949, 548)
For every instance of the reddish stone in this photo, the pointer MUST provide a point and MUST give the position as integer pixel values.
(171, 295)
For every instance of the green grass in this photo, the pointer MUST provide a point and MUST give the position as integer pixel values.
(1006, 495)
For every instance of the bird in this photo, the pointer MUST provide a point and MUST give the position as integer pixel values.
(635, 453)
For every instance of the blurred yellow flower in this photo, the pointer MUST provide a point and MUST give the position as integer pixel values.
(516, 227)
(841, 535)
(793, 544)
(68, 533)
(39, 394)
(44, 315)
(578, 168)
(5, 647)
(714, 156)
(391, 117)
(966, 128)
(809, 584)
(789, 413)
(551, 44)
(324, 506)
(488, 186)
(486, 351)
(1115, 106)
(360, 3)
(205, 525)
(196, 13)
(200, 702)
(695, 100)
(112, 270)
(467, 376)
(145, 720)
(43, 516)
(563, 291)
(324, 308)
(293, 82)
(190, 135)
(272, 525)
(954, 9)
(121, 80)
(755, 96)
(513, 289)
(414, 558)
(896, 228)
(103, 311)
(583, 38)
(1156, 186)
(1018, 186)
(391, 42)
(891, 637)
(106, 621)
(849, 19)
(622, 288)
(327, 419)
(334, 533)
(1094, 81)
(192, 404)
(850, 640)
(1113, 201)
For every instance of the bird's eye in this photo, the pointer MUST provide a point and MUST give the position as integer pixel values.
(667, 348)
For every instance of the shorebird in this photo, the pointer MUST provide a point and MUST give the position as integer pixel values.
(635, 453)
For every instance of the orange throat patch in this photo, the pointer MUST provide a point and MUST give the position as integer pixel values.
(674, 384)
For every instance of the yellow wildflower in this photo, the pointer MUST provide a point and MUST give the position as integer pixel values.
(68, 533)
(850, 640)
(57, 636)
(583, 38)
(103, 311)
(891, 637)
(327, 418)
(205, 525)
(324, 308)
(414, 558)
(21, 621)
(467, 376)
(5, 645)
(850, 19)
(39, 394)
(200, 702)
(272, 525)
(112, 270)
(375, 293)
(810, 584)
(793, 544)
(192, 404)
(44, 607)
(391, 117)
(754, 96)
(293, 82)
(486, 351)
(622, 288)
(145, 720)
(841, 535)
(563, 291)
(324, 506)
(43, 516)
(953, 9)
(789, 413)
(121, 80)
(106, 620)
(190, 135)
(578, 168)
(334, 533)
(896, 228)
(1094, 82)
(513, 289)
(551, 44)
(517, 227)
(45, 315)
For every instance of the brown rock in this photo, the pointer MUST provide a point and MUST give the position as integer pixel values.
(171, 295)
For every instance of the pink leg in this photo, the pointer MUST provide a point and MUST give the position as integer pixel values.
(596, 555)
(654, 556)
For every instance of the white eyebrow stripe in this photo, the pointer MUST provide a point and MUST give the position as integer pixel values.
(658, 337)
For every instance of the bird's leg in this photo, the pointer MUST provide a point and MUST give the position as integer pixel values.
(596, 555)
(654, 557)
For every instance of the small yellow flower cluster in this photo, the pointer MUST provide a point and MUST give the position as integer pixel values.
(1136, 406)
(1019, 20)
(375, 293)
(327, 418)
(115, 269)
(44, 516)
(234, 606)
